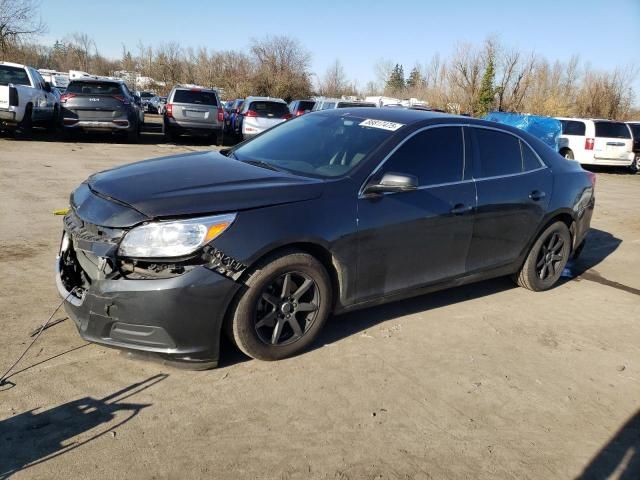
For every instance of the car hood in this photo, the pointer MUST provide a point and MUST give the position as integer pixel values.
(199, 183)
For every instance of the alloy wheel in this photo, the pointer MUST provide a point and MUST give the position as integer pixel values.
(550, 257)
(287, 308)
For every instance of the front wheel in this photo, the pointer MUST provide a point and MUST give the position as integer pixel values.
(547, 259)
(283, 308)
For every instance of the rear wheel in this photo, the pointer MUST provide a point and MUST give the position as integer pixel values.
(547, 259)
(286, 303)
(635, 166)
(25, 127)
(134, 135)
(55, 122)
(169, 134)
(568, 154)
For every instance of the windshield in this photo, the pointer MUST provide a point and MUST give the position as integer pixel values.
(15, 75)
(318, 145)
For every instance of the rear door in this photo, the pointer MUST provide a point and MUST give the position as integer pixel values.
(94, 101)
(261, 115)
(420, 237)
(613, 141)
(513, 187)
(196, 108)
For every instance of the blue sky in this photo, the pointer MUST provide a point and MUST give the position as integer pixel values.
(359, 33)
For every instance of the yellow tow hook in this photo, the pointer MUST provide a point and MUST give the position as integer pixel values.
(62, 211)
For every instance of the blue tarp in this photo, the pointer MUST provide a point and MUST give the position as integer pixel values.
(546, 129)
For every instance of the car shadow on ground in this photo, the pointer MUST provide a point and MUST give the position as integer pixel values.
(620, 457)
(31, 437)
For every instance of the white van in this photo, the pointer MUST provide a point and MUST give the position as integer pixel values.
(597, 142)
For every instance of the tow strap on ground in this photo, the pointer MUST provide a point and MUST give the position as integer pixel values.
(5, 376)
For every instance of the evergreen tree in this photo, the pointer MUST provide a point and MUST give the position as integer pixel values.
(396, 82)
(415, 79)
(487, 88)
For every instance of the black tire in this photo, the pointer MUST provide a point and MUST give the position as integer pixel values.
(635, 166)
(265, 323)
(25, 127)
(55, 122)
(217, 139)
(133, 136)
(547, 258)
(169, 134)
(568, 154)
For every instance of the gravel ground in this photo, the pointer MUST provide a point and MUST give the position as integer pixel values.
(480, 382)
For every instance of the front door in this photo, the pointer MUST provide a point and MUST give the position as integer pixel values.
(415, 238)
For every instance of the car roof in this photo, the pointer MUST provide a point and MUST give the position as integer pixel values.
(265, 99)
(396, 115)
(96, 80)
(11, 64)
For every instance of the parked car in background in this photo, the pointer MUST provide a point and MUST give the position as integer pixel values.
(232, 109)
(195, 111)
(154, 104)
(635, 132)
(300, 107)
(26, 99)
(258, 114)
(145, 98)
(59, 80)
(330, 103)
(327, 213)
(598, 142)
(160, 106)
(101, 105)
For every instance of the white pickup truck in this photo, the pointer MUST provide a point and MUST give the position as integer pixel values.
(26, 99)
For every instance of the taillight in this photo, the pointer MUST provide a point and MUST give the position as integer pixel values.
(588, 143)
(220, 115)
(66, 96)
(13, 97)
(299, 112)
(251, 113)
(169, 109)
(287, 116)
(120, 98)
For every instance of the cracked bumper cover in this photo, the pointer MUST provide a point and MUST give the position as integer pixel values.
(178, 317)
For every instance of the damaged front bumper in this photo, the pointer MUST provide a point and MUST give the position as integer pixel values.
(178, 317)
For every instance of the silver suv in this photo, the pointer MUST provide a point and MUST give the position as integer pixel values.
(195, 111)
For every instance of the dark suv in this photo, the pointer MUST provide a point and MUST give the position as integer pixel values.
(103, 105)
(194, 111)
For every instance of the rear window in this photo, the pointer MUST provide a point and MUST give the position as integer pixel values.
(15, 75)
(572, 127)
(635, 128)
(306, 105)
(146, 95)
(612, 130)
(354, 104)
(195, 96)
(95, 88)
(269, 109)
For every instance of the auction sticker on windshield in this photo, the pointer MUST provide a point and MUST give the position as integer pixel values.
(391, 126)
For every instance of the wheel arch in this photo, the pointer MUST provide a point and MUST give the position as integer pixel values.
(320, 252)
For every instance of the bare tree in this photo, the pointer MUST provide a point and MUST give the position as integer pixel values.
(19, 20)
(334, 82)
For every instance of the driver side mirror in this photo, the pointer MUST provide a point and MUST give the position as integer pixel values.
(392, 183)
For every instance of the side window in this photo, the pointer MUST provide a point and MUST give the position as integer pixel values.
(573, 127)
(435, 156)
(498, 153)
(529, 159)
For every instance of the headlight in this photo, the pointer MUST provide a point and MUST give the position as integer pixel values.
(173, 239)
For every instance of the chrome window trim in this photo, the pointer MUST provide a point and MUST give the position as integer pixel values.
(464, 157)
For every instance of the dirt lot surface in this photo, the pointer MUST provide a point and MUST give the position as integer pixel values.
(480, 382)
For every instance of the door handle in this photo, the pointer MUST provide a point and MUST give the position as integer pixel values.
(537, 195)
(461, 209)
